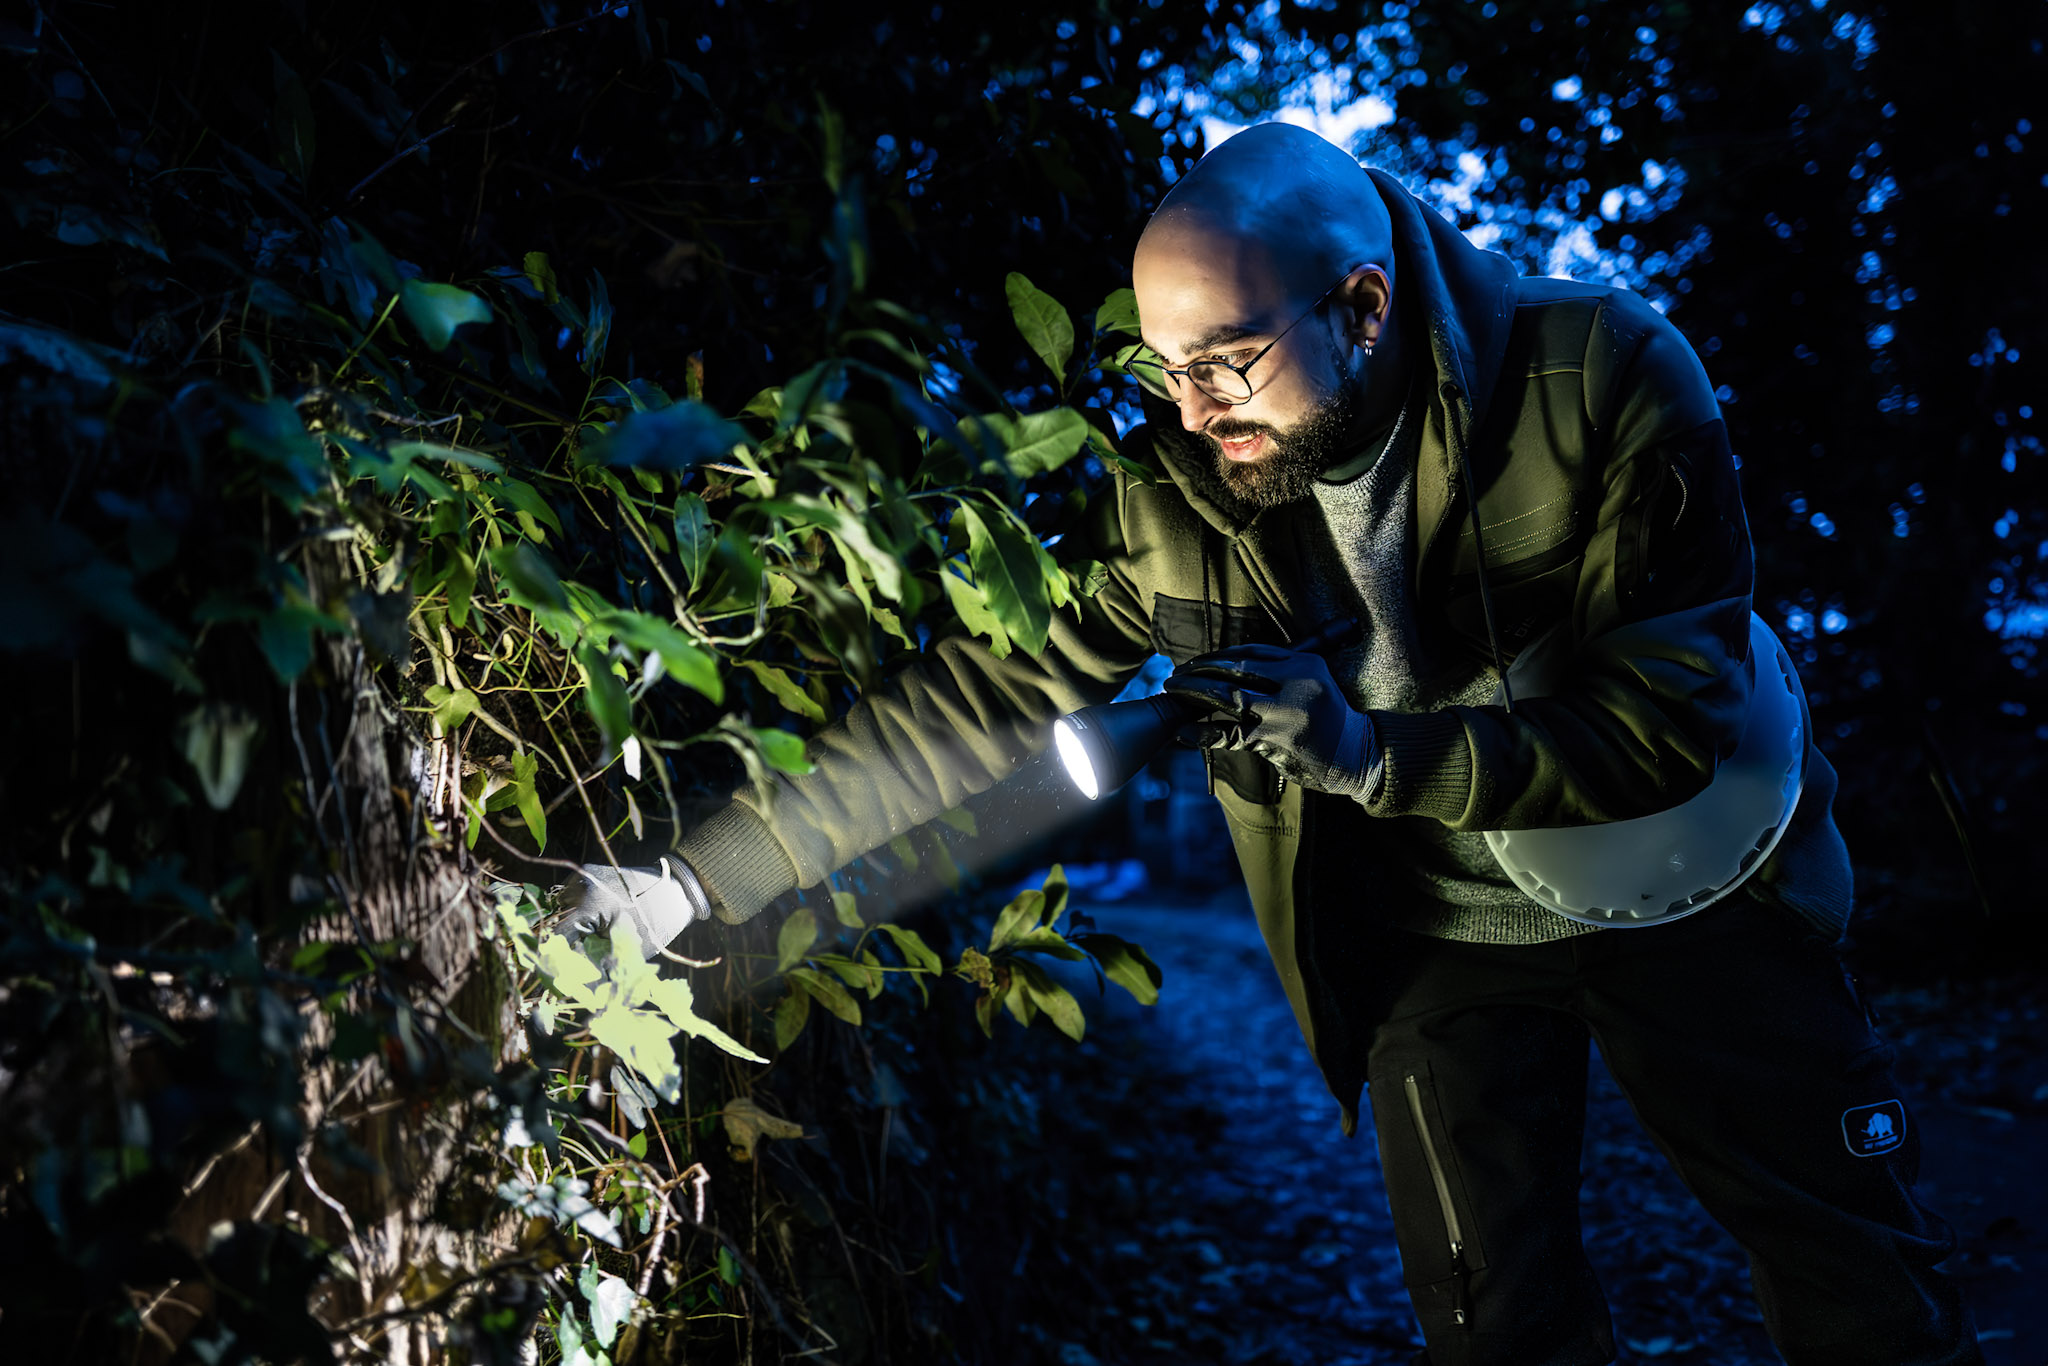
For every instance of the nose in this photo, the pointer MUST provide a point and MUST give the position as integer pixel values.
(1197, 409)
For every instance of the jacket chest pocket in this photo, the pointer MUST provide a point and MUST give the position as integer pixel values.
(1182, 629)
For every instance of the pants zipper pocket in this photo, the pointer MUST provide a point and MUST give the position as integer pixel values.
(1441, 1179)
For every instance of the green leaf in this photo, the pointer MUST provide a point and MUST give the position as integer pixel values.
(1045, 325)
(785, 689)
(792, 1013)
(217, 739)
(728, 1266)
(452, 706)
(1088, 577)
(461, 585)
(684, 434)
(606, 697)
(686, 662)
(857, 975)
(527, 578)
(435, 311)
(1055, 886)
(1119, 313)
(526, 796)
(527, 499)
(1005, 563)
(961, 819)
(611, 1305)
(1018, 918)
(1125, 964)
(784, 752)
(673, 998)
(828, 993)
(1055, 1000)
(694, 535)
(433, 450)
(1034, 442)
(970, 604)
(846, 908)
(911, 945)
(795, 938)
(1048, 941)
(541, 275)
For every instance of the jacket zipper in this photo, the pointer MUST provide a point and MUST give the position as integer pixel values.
(1459, 1271)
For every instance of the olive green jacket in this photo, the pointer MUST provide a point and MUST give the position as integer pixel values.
(1608, 501)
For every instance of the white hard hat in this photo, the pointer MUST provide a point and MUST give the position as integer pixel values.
(1657, 868)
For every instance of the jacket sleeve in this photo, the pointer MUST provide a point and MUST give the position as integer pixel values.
(952, 723)
(1657, 691)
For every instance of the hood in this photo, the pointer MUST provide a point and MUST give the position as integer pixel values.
(1465, 296)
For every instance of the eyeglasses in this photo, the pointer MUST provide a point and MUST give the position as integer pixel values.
(1218, 379)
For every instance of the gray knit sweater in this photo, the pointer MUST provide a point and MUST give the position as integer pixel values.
(1359, 552)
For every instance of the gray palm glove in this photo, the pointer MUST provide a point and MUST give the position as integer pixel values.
(1284, 706)
(659, 902)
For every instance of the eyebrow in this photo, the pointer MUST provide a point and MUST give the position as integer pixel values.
(1215, 337)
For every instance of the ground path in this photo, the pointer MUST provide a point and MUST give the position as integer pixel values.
(1240, 1227)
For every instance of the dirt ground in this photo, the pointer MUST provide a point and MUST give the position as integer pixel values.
(1238, 1226)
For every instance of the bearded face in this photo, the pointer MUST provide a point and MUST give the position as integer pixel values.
(1290, 457)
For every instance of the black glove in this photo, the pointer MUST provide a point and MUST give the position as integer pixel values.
(659, 903)
(1284, 706)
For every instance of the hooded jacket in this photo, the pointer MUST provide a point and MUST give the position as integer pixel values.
(1607, 501)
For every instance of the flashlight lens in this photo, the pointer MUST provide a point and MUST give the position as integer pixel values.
(1074, 754)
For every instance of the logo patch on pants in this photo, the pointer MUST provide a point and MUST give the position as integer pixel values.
(1870, 1130)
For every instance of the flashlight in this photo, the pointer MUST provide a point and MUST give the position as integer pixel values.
(1103, 747)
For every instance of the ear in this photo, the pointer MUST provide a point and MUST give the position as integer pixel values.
(1365, 300)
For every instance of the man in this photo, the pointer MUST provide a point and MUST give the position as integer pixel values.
(1361, 416)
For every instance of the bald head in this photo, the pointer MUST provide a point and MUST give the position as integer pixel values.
(1280, 193)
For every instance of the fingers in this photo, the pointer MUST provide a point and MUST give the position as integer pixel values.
(1254, 652)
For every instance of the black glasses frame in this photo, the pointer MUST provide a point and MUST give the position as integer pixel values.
(1200, 373)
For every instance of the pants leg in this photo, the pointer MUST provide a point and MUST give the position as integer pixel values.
(1740, 1043)
(1479, 1109)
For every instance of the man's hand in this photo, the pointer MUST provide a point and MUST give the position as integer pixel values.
(658, 903)
(1282, 705)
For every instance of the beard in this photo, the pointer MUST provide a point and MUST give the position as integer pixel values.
(1295, 454)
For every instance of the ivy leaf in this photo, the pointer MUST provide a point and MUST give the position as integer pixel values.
(673, 997)
(795, 938)
(785, 689)
(611, 1304)
(1125, 964)
(451, 706)
(526, 796)
(435, 311)
(694, 535)
(747, 1123)
(1005, 563)
(1044, 324)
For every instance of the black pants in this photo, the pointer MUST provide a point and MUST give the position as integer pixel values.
(1740, 1043)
